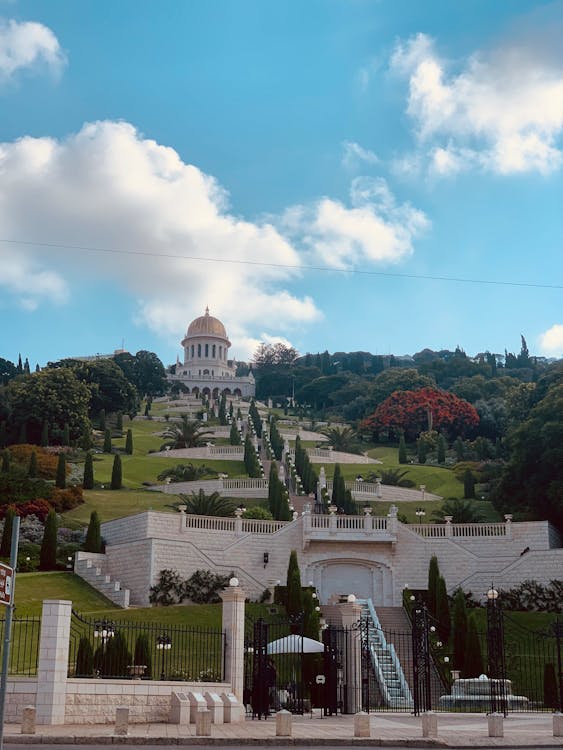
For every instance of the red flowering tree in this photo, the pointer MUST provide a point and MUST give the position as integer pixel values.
(412, 412)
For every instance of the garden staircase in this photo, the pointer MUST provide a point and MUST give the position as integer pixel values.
(90, 567)
(389, 674)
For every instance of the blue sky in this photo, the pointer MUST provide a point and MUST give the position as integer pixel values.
(301, 168)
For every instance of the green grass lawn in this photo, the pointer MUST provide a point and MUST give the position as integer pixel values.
(112, 504)
(437, 479)
(33, 588)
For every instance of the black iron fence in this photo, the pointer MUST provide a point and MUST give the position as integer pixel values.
(24, 645)
(128, 649)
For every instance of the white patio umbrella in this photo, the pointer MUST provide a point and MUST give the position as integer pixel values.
(295, 644)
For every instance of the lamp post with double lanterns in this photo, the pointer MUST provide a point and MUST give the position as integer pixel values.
(495, 652)
(163, 644)
(104, 630)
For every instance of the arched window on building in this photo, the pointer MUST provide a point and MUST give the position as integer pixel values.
(192, 351)
(214, 351)
(199, 350)
(207, 350)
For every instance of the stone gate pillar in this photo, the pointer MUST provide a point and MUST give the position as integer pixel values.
(350, 613)
(53, 661)
(233, 624)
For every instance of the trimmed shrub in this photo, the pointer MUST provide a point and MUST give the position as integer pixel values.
(84, 658)
(93, 541)
(60, 480)
(116, 473)
(88, 479)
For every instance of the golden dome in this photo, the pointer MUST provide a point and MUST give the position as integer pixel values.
(207, 325)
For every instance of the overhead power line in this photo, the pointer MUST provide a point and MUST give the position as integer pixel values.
(265, 264)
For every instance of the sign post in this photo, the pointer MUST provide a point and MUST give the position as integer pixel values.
(7, 590)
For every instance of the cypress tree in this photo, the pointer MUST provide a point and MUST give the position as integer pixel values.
(284, 514)
(107, 441)
(459, 448)
(129, 443)
(102, 420)
(48, 554)
(6, 543)
(234, 436)
(349, 506)
(272, 488)
(44, 442)
(142, 655)
(294, 592)
(402, 450)
(442, 447)
(117, 655)
(231, 410)
(5, 462)
(473, 661)
(84, 658)
(460, 629)
(443, 611)
(66, 434)
(32, 470)
(3, 435)
(433, 576)
(311, 618)
(422, 451)
(60, 480)
(93, 541)
(468, 484)
(23, 434)
(88, 479)
(86, 440)
(338, 488)
(119, 422)
(116, 473)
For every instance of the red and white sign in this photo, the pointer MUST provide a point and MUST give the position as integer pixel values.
(6, 578)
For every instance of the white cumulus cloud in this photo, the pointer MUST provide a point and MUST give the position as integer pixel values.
(501, 111)
(165, 234)
(551, 341)
(28, 44)
(374, 228)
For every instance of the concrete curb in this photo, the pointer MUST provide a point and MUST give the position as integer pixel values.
(20, 739)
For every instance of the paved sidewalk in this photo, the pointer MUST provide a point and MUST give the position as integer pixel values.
(454, 730)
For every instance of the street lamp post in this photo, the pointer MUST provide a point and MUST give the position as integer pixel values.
(163, 644)
(104, 630)
(420, 513)
(495, 652)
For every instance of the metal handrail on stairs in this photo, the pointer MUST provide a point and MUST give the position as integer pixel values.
(379, 648)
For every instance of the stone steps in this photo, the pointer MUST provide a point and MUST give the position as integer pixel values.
(90, 567)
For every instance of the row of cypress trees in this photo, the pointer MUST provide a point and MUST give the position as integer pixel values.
(278, 499)
(276, 440)
(304, 467)
(251, 462)
(255, 417)
(341, 497)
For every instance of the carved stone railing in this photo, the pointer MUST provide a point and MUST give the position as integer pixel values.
(450, 530)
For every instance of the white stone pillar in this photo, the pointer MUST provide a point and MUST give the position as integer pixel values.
(233, 624)
(350, 614)
(53, 661)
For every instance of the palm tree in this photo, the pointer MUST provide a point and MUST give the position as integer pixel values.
(342, 439)
(200, 504)
(462, 511)
(187, 434)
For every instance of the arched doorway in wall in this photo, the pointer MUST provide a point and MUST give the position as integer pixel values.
(365, 579)
(195, 391)
(215, 393)
(206, 392)
(237, 392)
(227, 391)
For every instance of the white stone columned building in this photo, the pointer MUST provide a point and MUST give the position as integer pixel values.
(206, 369)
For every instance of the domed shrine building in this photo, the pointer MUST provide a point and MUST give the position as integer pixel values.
(206, 369)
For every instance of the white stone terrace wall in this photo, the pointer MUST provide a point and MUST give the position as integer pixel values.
(20, 692)
(94, 701)
(220, 545)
